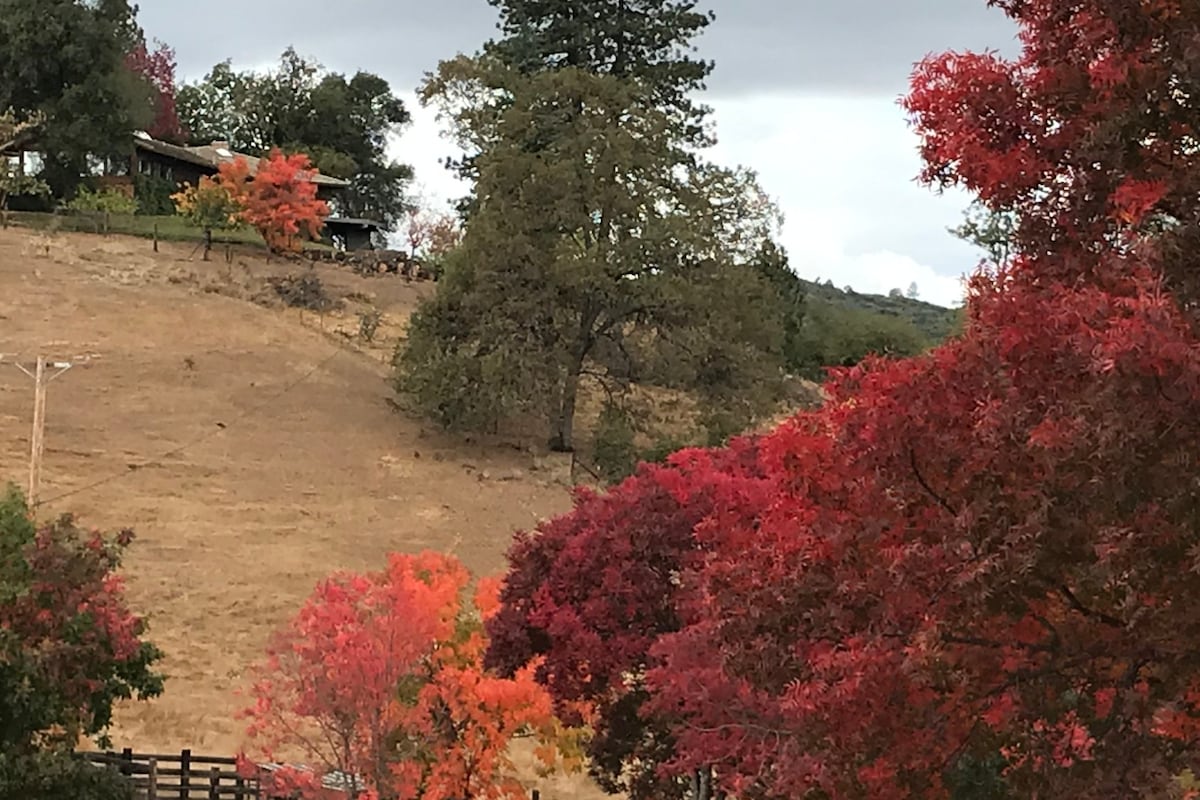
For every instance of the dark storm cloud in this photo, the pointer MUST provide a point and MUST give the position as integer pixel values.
(825, 46)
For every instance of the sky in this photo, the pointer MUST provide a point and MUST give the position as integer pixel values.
(804, 92)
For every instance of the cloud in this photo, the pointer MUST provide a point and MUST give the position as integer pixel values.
(850, 46)
(842, 170)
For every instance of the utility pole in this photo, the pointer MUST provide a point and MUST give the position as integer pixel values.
(42, 371)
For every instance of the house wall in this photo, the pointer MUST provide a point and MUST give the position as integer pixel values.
(160, 166)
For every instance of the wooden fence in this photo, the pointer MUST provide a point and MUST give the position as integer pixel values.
(191, 777)
(180, 777)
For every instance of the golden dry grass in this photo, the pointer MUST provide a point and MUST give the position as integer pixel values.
(312, 471)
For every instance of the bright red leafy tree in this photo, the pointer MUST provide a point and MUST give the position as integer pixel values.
(279, 198)
(988, 554)
(591, 592)
(157, 68)
(1090, 135)
(379, 679)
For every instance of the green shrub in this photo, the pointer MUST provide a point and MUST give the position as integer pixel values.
(153, 195)
(108, 201)
(59, 775)
(613, 449)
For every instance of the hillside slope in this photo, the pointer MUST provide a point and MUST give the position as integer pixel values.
(251, 451)
(936, 322)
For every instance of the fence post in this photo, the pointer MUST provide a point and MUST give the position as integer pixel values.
(214, 784)
(107, 227)
(152, 780)
(156, 237)
(185, 773)
(536, 795)
(127, 759)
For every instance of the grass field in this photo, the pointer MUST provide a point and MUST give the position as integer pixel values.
(252, 449)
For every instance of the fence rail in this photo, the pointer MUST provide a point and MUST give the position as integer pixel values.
(180, 777)
(193, 777)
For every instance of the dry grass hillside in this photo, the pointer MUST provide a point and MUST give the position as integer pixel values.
(251, 448)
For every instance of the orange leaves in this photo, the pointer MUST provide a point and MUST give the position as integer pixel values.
(208, 205)
(379, 676)
(280, 199)
(1135, 199)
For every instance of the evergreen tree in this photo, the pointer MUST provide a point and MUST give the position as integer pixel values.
(598, 254)
(649, 41)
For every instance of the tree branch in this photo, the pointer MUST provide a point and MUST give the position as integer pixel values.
(1076, 604)
(912, 459)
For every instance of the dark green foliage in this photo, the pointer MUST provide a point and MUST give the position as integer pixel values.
(302, 291)
(649, 41)
(600, 254)
(65, 59)
(59, 775)
(153, 195)
(936, 323)
(994, 232)
(614, 449)
(342, 123)
(835, 335)
(976, 779)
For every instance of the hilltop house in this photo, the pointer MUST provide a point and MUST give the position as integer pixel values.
(181, 164)
(175, 163)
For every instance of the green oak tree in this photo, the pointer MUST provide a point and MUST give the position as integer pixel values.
(65, 60)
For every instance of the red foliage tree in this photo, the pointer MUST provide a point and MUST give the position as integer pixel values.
(279, 199)
(431, 234)
(973, 552)
(1089, 135)
(70, 647)
(157, 68)
(591, 592)
(379, 677)
(988, 552)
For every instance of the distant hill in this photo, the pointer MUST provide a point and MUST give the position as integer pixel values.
(934, 321)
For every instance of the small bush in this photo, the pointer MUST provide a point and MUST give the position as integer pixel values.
(661, 448)
(58, 775)
(613, 448)
(303, 291)
(368, 324)
(109, 201)
(153, 195)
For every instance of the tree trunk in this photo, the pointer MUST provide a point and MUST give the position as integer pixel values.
(562, 438)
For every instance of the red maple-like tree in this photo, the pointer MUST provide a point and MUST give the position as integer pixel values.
(280, 199)
(378, 681)
(157, 68)
(591, 592)
(986, 555)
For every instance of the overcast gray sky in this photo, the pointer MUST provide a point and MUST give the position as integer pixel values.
(805, 92)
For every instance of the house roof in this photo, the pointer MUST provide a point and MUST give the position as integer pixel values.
(214, 155)
(354, 222)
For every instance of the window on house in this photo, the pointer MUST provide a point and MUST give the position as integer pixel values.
(34, 163)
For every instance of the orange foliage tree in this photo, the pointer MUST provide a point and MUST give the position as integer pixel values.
(280, 199)
(379, 681)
